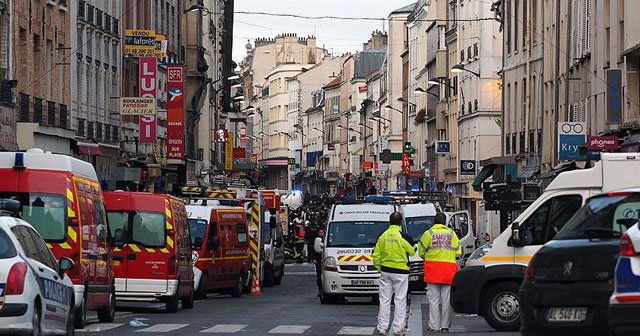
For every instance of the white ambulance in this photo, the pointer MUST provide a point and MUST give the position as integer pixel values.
(488, 284)
(347, 263)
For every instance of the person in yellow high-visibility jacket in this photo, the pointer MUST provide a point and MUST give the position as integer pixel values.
(391, 258)
(439, 247)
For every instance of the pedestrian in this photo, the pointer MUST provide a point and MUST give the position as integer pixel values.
(439, 247)
(318, 261)
(391, 258)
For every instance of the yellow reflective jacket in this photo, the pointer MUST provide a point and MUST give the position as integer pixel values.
(439, 247)
(392, 251)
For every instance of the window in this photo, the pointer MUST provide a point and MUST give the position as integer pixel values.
(47, 213)
(603, 216)
(198, 228)
(475, 50)
(460, 224)
(44, 254)
(516, 21)
(213, 232)
(461, 55)
(141, 227)
(242, 233)
(507, 143)
(26, 241)
(102, 225)
(546, 221)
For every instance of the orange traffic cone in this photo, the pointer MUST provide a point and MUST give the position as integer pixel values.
(255, 289)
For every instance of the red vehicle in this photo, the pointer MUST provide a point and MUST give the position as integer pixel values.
(221, 245)
(155, 262)
(61, 197)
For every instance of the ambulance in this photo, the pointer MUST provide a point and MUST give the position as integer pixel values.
(155, 263)
(347, 263)
(220, 242)
(61, 198)
(488, 284)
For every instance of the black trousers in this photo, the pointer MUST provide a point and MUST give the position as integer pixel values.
(319, 273)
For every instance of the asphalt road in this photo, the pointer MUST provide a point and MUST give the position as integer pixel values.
(289, 309)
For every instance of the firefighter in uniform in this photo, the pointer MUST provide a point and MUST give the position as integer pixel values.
(439, 247)
(391, 258)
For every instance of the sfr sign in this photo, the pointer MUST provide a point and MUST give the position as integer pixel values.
(175, 74)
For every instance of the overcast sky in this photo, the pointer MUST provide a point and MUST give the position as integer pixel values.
(337, 35)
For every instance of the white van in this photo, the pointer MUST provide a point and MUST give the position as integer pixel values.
(488, 284)
(418, 218)
(347, 263)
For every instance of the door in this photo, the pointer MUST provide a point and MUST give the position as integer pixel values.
(89, 239)
(103, 279)
(56, 296)
(216, 265)
(460, 223)
(119, 220)
(147, 256)
(545, 221)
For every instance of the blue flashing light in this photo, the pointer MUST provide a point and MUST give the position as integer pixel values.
(18, 162)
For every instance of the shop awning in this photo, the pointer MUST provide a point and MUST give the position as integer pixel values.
(88, 148)
(484, 174)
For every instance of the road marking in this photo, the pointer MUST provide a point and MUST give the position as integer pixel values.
(163, 328)
(98, 327)
(356, 331)
(415, 314)
(289, 329)
(225, 328)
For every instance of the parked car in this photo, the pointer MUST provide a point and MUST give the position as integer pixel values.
(624, 304)
(61, 197)
(36, 296)
(568, 282)
(155, 263)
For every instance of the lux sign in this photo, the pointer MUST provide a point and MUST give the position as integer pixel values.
(148, 78)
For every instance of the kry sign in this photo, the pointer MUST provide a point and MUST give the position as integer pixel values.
(571, 136)
(148, 88)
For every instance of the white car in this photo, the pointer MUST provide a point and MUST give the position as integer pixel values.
(624, 304)
(36, 297)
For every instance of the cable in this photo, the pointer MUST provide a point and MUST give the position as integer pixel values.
(353, 18)
(65, 59)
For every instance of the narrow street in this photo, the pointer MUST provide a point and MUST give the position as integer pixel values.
(291, 308)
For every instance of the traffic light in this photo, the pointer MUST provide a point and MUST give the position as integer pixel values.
(407, 149)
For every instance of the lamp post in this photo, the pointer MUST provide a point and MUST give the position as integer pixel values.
(458, 68)
(420, 90)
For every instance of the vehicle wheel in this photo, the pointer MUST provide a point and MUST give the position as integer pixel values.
(172, 303)
(501, 306)
(268, 276)
(36, 319)
(108, 313)
(81, 314)
(71, 328)
(203, 287)
(189, 301)
(236, 292)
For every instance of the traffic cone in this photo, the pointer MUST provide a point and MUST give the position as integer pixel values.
(255, 289)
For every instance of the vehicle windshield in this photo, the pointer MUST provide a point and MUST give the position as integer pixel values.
(603, 217)
(416, 226)
(7, 250)
(198, 229)
(141, 227)
(47, 213)
(355, 234)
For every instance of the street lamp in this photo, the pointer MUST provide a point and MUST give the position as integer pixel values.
(249, 107)
(402, 100)
(420, 90)
(436, 81)
(365, 126)
(319, 130)
(199, 7)
(460, 68)
(352, 130)
(239, 97)
(389, 107)
(380, 119)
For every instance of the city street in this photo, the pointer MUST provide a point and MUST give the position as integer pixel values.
(291, 308)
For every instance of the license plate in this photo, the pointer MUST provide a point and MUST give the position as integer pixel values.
(567, 314)
(414, 277)
(363, 282)
(2, 286)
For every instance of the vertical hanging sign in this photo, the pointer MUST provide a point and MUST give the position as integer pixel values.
(148, 88)
(175, 112)
(228, 153)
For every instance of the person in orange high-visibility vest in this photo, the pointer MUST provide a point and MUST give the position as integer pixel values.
(439, 247)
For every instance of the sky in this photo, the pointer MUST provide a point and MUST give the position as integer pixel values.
(337, 36)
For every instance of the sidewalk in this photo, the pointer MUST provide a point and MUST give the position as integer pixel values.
(462, 323)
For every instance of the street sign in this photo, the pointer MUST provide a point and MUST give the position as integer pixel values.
(137, 105)
(443, 147)
(292, 161)
(148, 74)
(597, 143)
(467, 167)
(571, 136)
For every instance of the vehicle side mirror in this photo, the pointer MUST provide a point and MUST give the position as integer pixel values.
(318, 246)
(272, 222)
(197, 244)
(214, 243)
(517, 235)
(64, 265)
(118, 238)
